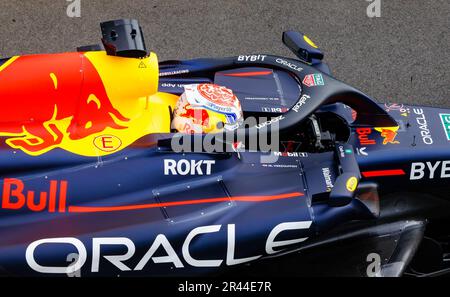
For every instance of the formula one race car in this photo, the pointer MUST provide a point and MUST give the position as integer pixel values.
(93, 180)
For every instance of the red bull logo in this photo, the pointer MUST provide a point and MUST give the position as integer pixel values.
(39, 90)
(366, 135)
(388, 134)
(15, 196)
(66, 101)
(363, 136)
(199, 116)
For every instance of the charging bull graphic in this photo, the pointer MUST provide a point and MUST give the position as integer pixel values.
(45, 98)
(388, 134)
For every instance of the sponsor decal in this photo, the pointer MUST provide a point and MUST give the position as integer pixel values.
(363, 136)
(423, 126)
(14, 196)
(362, 151)
(126, 258)
(188, 167)
(351, 184)
(312, 80)
(270, 122)
(279, 165)
(430, 170)
(289, 64)
(301, 102)
(274, 109)
(174, 72)
(107, 143)
(327, 176)
(388, 134)
(262, 98)
(291, 154)
(404, 111)
(251, 58)
(445, 120)
(172, 85)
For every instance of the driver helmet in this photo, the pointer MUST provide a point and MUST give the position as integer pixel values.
(207, 108)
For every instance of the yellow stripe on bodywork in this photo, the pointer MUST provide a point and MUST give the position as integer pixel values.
(9, 62)
(54, 79)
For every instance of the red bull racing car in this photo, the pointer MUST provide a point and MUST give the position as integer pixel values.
(100, 172)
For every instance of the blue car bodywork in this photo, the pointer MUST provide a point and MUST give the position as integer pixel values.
(148, 210)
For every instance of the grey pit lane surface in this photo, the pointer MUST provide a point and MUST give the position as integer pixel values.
(403, 56)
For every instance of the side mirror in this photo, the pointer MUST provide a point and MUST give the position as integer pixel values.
(344, 189)
(302, 46)
(345, 185)
(123, 38)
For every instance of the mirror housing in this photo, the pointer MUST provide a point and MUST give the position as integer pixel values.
(302, 47)
(123, 38)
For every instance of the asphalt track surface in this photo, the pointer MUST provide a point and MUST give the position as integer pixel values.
(402, 56)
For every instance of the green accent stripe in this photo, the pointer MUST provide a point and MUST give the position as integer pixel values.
(445, 120)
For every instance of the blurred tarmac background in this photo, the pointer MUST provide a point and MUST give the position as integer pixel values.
(402, 56)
